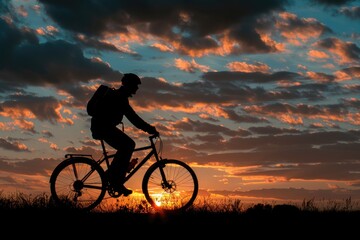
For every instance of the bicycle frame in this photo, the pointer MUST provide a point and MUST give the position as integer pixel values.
(107, 157)
(153, 152)
(144, 160)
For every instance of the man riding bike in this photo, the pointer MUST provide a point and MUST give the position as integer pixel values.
(104, 126)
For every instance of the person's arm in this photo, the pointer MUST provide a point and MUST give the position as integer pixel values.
(138, 122)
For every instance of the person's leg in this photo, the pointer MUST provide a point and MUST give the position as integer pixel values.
(125, 147)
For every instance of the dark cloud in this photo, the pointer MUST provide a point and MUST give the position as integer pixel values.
(344, 49)
(303, 110)
(44, 108)
(203, 127)
(216, 90)
(283, 146)
(331, 2)
(91, 42)
(55, 63)
(13, 145)
(352, 103)
(243, 118)
(269, 130)
(3, 7)
(26, 62)
(47, 134)
(250, 40)
(101, 16)
(352, 71)
(11, 37)
(30, 166)
(59, 64)
(351, 12)
(326, 171)
(256, 77)
(194, 21)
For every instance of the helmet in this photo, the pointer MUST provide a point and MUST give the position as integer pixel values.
(130, 79)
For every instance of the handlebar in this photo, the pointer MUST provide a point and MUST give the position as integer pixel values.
(155, 135)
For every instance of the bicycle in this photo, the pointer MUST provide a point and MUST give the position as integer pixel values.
(82, 182)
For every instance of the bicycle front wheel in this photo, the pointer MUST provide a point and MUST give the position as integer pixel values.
(79, 183)
(174, 190)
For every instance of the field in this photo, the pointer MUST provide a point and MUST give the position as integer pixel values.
(26, 214)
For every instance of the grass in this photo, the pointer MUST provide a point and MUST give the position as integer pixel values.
(17, 201)
(202, 204)
(207, 214)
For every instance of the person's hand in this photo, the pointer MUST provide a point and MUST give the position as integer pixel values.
(152, 130)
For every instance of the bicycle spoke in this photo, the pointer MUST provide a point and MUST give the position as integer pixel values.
(78, 183)
(179, 189)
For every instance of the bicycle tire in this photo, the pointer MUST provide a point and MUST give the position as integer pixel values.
(181, 192)
(78, 182)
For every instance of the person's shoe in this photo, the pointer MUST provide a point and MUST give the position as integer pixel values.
(124, 191)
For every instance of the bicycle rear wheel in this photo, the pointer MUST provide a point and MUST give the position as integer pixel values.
(176, 192)
(79, 183)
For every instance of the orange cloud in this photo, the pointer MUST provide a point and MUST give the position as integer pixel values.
(315, 54)
(60, 118)
(20, 113)
(347, 74)
(246, 67)
(346, 52)
(214, 110)
(294, 114)
(49, 30)
(23, 124)
(188, 66)
(298, 31)
(319, 77)
(279, 47)
(43, 140)
(54, 146)
(163, 47)
(5, 126)
(15, 113)
(293, 120)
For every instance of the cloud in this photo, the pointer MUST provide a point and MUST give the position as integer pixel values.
(331, 2)
(176, 24)
(347, 73)
(299, 31)
(190, 66)
(346, 52)
(26, 62)
(246, 67)
(13, 145)
(54, 63)
(31, 107)
(351, 12)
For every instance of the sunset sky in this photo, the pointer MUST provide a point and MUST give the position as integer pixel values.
(260, 97)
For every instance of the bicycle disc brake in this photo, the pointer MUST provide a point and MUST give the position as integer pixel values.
(169, 186)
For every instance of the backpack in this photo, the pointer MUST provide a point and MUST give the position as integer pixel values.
(95, 101)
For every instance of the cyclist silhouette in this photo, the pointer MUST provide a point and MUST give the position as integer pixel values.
(104, 126)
